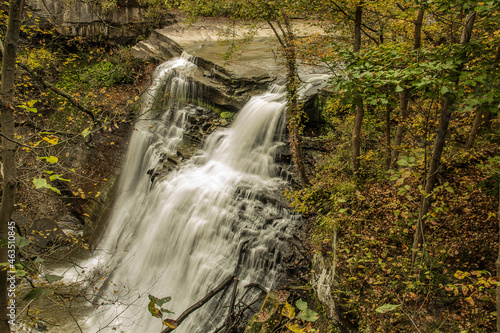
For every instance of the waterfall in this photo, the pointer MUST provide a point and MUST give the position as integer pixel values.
(216, 215)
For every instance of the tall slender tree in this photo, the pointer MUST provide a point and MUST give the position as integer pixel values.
(358, 119)
(8, 143)
(444, 121)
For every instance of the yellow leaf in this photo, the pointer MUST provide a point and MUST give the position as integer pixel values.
(170, 323)
(288, 311)
(295, 328)
(52, 139)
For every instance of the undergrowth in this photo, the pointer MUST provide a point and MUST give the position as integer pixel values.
(451, 286)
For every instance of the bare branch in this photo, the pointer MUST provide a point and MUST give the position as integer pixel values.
(58, 91)
(200, 303)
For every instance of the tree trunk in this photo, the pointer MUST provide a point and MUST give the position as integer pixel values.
(478, 120)
(418, 29)
(483, 115)
(294, 114)
(357, 26)
(356, 135)
(358, 119)
(446, 110)
(404, 97)
(8, 146)
(388, 111)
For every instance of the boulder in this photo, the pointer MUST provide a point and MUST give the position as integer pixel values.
(71, 225)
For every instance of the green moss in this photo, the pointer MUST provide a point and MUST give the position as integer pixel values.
(227, 115)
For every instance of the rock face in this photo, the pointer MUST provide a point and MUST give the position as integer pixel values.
(226, 82)
(77, 18)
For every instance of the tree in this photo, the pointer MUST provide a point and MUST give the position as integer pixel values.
(358, 120)
(8, 144)
(444, 121)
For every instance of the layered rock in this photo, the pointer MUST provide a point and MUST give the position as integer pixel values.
(73, 18)
(227, 80)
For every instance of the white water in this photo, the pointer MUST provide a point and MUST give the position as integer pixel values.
(181, 235)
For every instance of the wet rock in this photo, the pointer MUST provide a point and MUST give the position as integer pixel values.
(22, 223)
(44, 233)
(283, 154)
(71, 225)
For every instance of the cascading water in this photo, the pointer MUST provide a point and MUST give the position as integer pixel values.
(217, 215)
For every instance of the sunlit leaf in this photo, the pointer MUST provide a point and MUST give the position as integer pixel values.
(288, 311)
(308, 315)
(52, 139)
(387, 308)
(296, 328)
(170, 323)
(42, 183)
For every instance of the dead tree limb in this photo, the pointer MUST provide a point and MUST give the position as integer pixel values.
(201, 302)
(58, 91)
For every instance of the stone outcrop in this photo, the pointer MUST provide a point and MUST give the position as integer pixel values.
(72, 18)
(227, 82)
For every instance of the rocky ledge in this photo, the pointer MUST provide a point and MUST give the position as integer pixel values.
(230, 81)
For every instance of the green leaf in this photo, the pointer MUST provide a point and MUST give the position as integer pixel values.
(54, 177)
(37, 293)
(300, 304)
(50, 159)
(159, 301)
(444, 90)
(86, 132)
(21, 241)
(39, 260)
(21, 272)
(308, 315)
(42, 183)
(53, 278)
(387, 308)
(167, 311)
